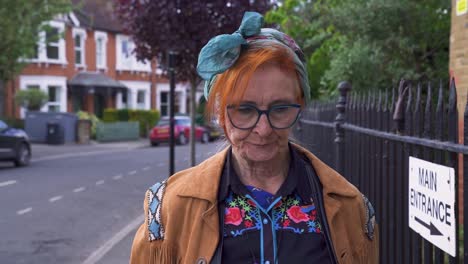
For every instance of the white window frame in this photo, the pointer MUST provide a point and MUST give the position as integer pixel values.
(43, 82)
(132, 95)
(101, 35)
(181, 89)
(54, 44)
(141, 105)
(82, 34)
(42, 46)
(129, 63)
(57, 95)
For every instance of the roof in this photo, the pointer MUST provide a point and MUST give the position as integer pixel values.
(94, 79)
(97, 14)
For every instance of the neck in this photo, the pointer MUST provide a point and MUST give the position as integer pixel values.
(266, 175)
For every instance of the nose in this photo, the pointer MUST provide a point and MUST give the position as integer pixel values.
(263, 127)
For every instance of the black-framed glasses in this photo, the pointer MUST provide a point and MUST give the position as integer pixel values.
(246, 116)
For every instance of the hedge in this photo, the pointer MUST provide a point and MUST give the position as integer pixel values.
(146, 118)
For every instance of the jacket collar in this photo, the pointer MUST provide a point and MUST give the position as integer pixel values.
(333, 184)
(205, 178)
(295, 181)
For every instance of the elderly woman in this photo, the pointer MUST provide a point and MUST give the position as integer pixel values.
(263, 199)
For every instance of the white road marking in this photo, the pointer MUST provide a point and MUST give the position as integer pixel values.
(6, 183)
(146, 168)
(132, 172)
(55, 198)
(22, 212)
(117, 177)
(80, 189)
(100, 182)
(106, 247)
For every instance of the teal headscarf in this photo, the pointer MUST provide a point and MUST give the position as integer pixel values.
(222, 52)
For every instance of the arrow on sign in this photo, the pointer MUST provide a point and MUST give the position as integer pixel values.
(432, 228)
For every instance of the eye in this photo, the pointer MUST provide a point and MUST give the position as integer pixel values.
(279, 109)
(245, 109)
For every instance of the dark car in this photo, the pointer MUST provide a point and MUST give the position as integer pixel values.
(14, 145)
(160, 133)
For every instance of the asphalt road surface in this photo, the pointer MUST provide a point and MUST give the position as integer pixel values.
(82, 205)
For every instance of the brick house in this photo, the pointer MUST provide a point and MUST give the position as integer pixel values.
(91, 67)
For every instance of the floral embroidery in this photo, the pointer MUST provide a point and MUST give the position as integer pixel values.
(288, 214)
(234, 216)
(297, 215)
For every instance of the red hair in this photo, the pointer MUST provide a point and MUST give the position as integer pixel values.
(229, 87)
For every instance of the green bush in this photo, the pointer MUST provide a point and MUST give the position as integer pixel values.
(110, 115)
(146, 118)
(82, 115)
(31, 99)
(123, 115)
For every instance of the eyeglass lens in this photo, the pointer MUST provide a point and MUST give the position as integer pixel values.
(279, 116)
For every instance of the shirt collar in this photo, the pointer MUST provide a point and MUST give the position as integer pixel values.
(296, 181)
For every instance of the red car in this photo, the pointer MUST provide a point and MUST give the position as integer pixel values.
(160, 133)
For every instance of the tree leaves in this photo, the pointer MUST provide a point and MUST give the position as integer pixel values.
(20, 24)
(184, 26)
(370, 43)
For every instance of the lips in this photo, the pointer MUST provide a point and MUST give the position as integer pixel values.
(260, 145)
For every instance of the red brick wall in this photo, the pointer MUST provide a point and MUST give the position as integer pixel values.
(70, 69)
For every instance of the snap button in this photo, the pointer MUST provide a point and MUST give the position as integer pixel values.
(265, 221)
(201, 260)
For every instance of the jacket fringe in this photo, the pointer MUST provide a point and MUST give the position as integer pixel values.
(164, 254)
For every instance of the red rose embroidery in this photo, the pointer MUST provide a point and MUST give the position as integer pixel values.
(248, 223)
(233, 216)
(286, 223)
(297, 215)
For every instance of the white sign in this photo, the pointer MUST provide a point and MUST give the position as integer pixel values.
(431, 203)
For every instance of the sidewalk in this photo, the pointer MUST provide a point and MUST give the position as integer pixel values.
(42, 150)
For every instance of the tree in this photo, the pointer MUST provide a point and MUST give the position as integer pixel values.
(20, 24)
(31, 99)
(184, 26)
(372, 43)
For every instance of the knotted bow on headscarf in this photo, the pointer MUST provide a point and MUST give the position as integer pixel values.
(222, 51)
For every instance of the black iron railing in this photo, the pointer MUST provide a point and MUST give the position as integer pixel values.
(370, 138)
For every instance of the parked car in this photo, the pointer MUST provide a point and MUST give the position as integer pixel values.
(160, 133)
(14, 145)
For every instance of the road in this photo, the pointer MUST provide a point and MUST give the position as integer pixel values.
(81, 207)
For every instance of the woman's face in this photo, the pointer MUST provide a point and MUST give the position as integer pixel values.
(269, 86)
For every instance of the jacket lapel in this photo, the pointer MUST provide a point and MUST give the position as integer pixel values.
(205, 179)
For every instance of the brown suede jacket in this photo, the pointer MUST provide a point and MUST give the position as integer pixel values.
(182, 226)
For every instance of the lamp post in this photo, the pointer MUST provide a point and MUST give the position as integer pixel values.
(171, 69)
